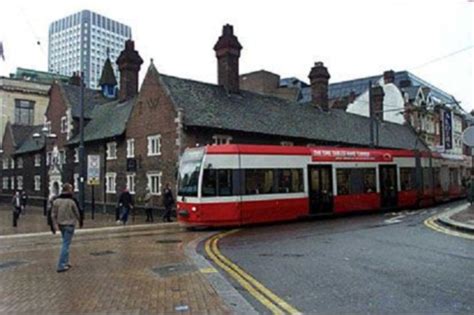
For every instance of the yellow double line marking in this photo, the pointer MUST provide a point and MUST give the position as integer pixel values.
(431, 223)
(269, 299)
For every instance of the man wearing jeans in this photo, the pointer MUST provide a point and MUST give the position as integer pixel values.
(65, 215)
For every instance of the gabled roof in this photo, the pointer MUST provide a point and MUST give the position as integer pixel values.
(29, 144)
(107, 121)
(208, 105)
(108, 76)
(21, 133)
(72, 95)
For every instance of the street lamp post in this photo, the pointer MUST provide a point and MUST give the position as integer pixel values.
(45, 135)
(81, 149)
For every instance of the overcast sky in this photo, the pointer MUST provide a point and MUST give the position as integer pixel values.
(352, 38)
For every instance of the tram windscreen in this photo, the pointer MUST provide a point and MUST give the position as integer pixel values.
(189, 169)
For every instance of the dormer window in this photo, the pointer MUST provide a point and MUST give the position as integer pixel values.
(64, 123)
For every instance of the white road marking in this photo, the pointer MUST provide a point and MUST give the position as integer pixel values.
(395, 220)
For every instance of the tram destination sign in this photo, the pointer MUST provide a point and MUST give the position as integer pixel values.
(350, 155)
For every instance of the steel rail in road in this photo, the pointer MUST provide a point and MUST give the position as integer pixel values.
(262, 294)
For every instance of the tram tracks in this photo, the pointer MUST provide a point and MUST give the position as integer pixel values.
(262, 294)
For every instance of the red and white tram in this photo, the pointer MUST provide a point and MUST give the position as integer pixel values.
(228, 185)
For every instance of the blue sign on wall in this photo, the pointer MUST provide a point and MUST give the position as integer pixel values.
(447, 130)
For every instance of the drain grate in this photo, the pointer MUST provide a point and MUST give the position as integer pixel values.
(173, 270)
(168, 241)
(10, 264)
(103, 253)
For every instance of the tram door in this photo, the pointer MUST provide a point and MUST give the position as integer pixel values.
(388, 186)
(320, 189)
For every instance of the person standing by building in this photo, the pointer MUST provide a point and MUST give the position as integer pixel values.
(65, 215)
(24, 200)
(16, 203)
(168, 202)
(148, 205)
(125, 204)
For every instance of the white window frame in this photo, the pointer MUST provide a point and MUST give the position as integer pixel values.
(110, 183)
(111, 150)
(221, 139)
(19, 162)
(5, 183)
(19, 182)
(131, 148)
(37, 182)
(76, 155)
(37, 160)
(150, 175)
(64, 124)
(5, 163)
(76, 182)
(12, 163)
(154, 145)
(131, 182)
(12, 183)
(49, 156)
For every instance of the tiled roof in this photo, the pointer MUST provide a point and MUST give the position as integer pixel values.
(208, 105)
(358, 86)
(108, 76)
(72, 93)
(107, 121)
(30, 144)
(22, 132)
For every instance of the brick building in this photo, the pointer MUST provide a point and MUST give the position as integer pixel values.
(139, 136)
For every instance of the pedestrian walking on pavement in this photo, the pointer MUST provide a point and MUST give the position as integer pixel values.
(16, 203)
(125, 204)
(168, 202)
(148, 205)
(470, 191)
(24, 200)
(65, 215)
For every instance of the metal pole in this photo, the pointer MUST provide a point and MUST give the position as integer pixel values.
(371, 116)
(93, 202)
(81, 148)
(45, 175)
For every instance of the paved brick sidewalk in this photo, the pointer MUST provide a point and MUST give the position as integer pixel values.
(466, 216)
(121, 270)
(35, 221)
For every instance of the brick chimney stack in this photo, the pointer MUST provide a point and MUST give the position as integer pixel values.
(377, 95)
(129, 63)
(389, 76)
(227, 51)
(319, 79)
(75, 79)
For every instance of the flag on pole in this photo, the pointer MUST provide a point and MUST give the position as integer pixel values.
(1, 51)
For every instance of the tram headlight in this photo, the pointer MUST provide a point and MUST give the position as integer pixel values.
(193, 209)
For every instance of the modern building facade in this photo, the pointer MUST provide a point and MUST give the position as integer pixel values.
(82, 42)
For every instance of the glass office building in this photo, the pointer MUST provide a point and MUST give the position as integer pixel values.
(82, 42)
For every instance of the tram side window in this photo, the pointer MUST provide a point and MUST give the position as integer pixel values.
(259, 181)
(427, 179)
(408, 178)
(437, 177)
(290, 180)
(355, 180)
(209, 183)
(453, 176)
(217, 183)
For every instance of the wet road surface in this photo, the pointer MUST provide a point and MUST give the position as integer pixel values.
(380, 263)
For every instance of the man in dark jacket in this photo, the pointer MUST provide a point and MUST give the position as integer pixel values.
(168, 202)
(16, 202)
(65, 214)
(125, 203)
